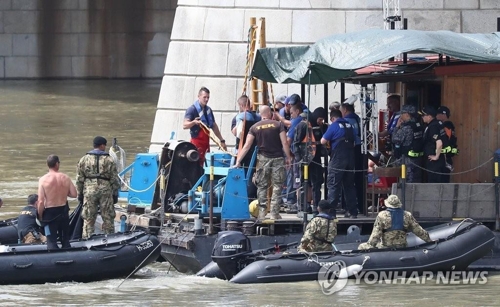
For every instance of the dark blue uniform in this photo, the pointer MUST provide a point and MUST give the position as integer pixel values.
(341, 166)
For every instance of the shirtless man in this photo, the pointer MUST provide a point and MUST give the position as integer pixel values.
(53, 191)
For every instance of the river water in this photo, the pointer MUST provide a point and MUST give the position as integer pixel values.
(38, 118)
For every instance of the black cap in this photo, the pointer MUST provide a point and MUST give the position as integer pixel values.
(32, 199)
(325, 205)
(99, 140)
(444, 110)
(428, 110)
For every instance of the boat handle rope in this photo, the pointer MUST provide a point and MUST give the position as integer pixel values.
(23, 266)
(64, 261)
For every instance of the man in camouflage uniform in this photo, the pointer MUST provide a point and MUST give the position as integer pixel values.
(97, 186)
(270, 168)
(407, 139)
(391, 226)
(320, 231)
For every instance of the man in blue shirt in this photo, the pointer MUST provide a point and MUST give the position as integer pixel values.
(340, 134)
(393, 105)
(292, 182)
(349, 115)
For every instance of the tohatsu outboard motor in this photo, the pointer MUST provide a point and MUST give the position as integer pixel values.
(230, 250)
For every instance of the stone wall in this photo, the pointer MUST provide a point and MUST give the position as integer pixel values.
(208, 45)
(84, 38)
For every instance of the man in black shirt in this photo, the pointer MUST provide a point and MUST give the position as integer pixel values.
(28, 230)
(434, 142)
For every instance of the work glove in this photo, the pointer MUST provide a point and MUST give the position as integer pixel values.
(115, 198)
(80, 198)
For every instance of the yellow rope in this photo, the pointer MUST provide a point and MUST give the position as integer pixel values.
(214, 138)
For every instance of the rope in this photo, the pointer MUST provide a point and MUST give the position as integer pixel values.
(137, 191)
(214, 138)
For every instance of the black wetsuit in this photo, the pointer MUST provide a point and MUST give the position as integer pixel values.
(56, 220)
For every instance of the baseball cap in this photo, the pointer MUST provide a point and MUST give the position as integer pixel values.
(408, 108)
(295, 98)
(280, 98)
(99, 140)
(443, 110)
(428, 110)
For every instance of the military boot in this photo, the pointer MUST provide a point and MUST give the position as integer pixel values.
(262, 213)
(275, 212)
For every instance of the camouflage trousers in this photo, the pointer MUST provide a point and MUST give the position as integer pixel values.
(30, 239)
(92, 201)
(270, 172)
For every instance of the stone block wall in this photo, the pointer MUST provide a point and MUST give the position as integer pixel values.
(84, 38)
(209, 41)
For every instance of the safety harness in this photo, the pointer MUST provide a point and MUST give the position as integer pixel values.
(97, 174)
(329, 218)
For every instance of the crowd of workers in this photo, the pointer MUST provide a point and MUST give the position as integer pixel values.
(287, 136)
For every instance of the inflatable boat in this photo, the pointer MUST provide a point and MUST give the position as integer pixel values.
(98, 258)
(455, 246)
(8, 228)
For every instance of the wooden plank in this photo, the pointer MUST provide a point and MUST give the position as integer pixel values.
(483, 133)
(494, 117)
(469, 97)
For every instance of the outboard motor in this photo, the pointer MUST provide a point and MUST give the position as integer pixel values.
(230, 248)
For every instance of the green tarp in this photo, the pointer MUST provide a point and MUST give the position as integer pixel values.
(338, 56)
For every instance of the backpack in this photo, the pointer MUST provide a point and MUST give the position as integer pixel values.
(304, 143)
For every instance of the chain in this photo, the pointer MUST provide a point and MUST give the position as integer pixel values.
(458, 173)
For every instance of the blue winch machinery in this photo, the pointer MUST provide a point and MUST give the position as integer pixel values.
(175, 180)
(143, 174)
(230, 196)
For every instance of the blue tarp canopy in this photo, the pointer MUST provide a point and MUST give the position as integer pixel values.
(338, 56)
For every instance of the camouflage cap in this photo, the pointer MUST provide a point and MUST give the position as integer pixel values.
(408, 108)
(393, 202)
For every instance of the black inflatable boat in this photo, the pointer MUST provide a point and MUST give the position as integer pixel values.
(456, 246)
(8, 228)
(98, 258)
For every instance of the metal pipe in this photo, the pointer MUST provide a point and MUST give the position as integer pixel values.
(325, 97)
(405, 27)
(198, 229)
(403, 185)
(497, 192)
(305, 189)
(342, 92)
(211, 210)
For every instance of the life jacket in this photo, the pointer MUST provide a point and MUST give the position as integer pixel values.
(347, 141)
(416, 147)
(329, 218)
(247, 125)
(452, 148)
(397, 219)
(304, 142)
(206, 116)
(96, 174)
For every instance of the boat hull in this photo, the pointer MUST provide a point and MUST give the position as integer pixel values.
(454, 252)
(101, 257)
